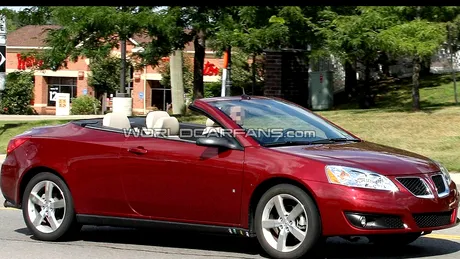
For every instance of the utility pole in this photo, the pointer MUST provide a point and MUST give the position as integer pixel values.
(123, 103)
(123, 69)
(228, 81)
(177, 82)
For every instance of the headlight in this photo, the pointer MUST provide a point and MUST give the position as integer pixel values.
(354, 177)
(444, 172)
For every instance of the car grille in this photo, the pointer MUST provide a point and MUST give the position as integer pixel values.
(392, 222)
(440, 184)
(427, 220)
(415, 185)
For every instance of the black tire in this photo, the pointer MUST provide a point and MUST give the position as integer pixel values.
(313, 232)
(69, 227)
(394, 239)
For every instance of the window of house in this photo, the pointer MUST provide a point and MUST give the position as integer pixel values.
(61, 85)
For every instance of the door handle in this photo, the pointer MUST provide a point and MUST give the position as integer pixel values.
(137, 150)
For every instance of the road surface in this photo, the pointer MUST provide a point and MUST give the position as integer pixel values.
(122, 243)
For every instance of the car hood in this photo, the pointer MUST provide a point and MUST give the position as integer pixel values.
(365, 155)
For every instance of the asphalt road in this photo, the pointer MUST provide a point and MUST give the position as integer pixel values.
(122, 243)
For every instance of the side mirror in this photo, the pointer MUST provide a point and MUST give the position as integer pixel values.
(215, 142)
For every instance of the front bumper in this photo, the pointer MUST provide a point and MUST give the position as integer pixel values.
(385, 212)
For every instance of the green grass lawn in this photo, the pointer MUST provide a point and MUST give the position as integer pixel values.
(433, 132)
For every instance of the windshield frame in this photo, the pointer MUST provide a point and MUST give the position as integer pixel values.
(332, 126)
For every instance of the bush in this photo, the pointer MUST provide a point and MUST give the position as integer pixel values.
(85, 105)
(212, 89)
(19, 91)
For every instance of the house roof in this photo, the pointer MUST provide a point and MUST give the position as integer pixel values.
(29, 36)
(33, 36)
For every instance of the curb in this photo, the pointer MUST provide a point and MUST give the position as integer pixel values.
(456, 178)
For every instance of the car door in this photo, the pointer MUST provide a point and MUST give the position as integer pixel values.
(178, 180)
(94, 168)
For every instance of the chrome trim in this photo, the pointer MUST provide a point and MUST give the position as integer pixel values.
(425, 183)
(446, 185)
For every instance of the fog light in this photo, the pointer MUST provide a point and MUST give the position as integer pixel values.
(363, 221)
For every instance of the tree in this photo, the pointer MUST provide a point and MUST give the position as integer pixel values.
(453, 29)
(251, 30)
(165, 68)
(90, 31)
(418, 39)
(203, 22)
(18, 93)
(35, 15)
(352, 36)
(104, 75)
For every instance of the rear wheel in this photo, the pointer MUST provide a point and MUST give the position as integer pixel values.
(47, 208)
(394, 239)
(287, 222)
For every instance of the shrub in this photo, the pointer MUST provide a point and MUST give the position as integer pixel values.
(19, 91)
(212, 89)
(85, 105)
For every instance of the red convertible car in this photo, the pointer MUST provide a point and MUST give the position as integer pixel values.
(258, 167)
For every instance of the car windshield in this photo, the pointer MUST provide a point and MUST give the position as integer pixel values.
(274, 122)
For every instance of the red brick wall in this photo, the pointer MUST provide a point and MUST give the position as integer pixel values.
(40, 94)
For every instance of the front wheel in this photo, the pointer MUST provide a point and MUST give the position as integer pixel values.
(394, 239)
(47, 208)
(287, 222)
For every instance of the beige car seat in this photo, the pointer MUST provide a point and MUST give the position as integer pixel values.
(211, 126)
(116, 120)
(167, 126)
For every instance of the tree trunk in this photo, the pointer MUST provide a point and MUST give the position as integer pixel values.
(385, 62)
(425, 67)
(254, 73)
(416, 84)
(198, 65)
(364, 93)
(350, 79)
(177, 82)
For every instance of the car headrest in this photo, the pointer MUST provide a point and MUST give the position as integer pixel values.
(116, 120)
(169, 123)
(210, 123)
(153, 116)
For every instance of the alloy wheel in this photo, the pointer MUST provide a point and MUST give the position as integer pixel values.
(46, 206)
(284, 223)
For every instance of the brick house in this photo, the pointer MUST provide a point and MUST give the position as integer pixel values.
(73, 79)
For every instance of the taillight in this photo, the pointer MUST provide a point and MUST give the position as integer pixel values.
(15, 143)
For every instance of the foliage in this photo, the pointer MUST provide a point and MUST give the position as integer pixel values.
(165, 68)
(18, 93)
(242, 74)
(251, 29)
(34, 15)
(90, 31)
(416, 38)
(105, 74)
(85, 105)
(212, 89)
(354, 36)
